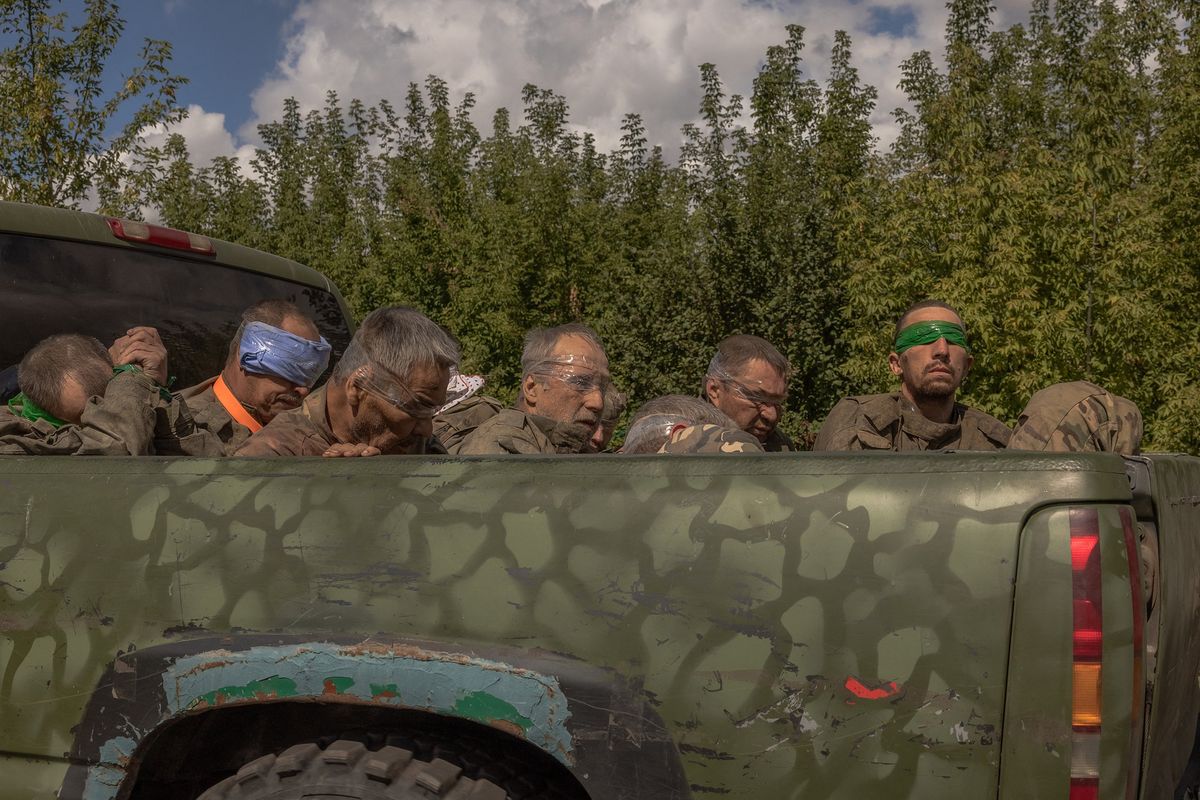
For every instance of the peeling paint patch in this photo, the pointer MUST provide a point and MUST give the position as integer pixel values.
(270, 688)
(865, 692)
(519, 701)
(488, 708)
(104, 778)
(337, 685)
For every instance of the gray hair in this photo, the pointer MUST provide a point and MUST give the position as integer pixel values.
(735, 352)
(540, 343)
(650, 426)
(44, 370)
(269, 312)
(399, 339)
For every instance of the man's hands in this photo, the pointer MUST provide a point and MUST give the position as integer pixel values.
(143, 347)
(341, 450)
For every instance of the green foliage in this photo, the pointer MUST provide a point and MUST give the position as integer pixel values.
(1027, 188)
(55, 142)
(1045, 180)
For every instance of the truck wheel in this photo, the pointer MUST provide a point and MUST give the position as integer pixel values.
(347, 770)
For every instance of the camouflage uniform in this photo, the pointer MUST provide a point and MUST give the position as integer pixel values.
(709, 438)
(133, 418)
(210, 414)
(459, 422)
(513, 431)
(891, 422)
(1078, 416)
(304, 431)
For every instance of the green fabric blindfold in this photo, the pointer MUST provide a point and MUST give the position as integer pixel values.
(929, 332)
(22, 406)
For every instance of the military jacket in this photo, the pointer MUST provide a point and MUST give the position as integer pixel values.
(1078, 417)
(513, 431)
(133, 418)
(304, 431)
(210, 414)
(891, 422)
(710, 438)
(453, 427)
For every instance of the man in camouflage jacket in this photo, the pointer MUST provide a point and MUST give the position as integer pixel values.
(931, 357)
(565, 377)
(1078, 417)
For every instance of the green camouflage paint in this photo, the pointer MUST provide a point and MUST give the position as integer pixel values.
(808, 625)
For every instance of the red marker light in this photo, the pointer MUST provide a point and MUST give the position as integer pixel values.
(145, 233)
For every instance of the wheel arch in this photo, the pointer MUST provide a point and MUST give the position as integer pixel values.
(148, 699)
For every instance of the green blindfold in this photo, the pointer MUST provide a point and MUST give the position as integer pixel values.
(930, 332)
(22, 406)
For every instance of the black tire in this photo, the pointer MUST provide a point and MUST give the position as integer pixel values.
(347, 770)
(509, 764)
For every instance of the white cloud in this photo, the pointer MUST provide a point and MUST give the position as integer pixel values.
(207, 137)
(606, 57)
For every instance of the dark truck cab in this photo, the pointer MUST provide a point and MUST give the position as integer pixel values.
(805, 625)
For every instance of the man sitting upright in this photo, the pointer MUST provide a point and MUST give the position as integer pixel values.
(931, 357)
(274, 359)
(564, 379)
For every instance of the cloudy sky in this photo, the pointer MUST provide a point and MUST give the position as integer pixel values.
(607, 57)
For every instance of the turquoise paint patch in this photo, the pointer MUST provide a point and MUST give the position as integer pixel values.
(481, 690)
(104, 778)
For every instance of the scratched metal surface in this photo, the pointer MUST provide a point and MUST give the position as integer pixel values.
(806, 626)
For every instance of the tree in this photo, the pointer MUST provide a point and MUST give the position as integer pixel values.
(55, 117)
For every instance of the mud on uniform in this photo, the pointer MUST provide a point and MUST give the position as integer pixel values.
(1078, 417)
(133, 418)
(513, 431)
(305, 431)
(210, 414)
(892, 422)
(454, 426)
(709, 438)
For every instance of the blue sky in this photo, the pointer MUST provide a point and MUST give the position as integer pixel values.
(607, 57)
(224, 48)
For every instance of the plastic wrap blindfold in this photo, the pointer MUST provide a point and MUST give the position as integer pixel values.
(930, 332)
(267, 350)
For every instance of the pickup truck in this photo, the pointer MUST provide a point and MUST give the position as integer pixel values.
(938, 625)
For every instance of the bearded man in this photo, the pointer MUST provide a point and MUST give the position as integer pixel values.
(931, 357)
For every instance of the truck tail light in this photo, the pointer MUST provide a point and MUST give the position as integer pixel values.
(1088, 626)
(1134, 553)
(145, 233)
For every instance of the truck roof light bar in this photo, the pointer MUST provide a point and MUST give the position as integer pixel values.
(145, 233)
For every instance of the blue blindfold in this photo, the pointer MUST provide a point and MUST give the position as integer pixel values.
(267, 350)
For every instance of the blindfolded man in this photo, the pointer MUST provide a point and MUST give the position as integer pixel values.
(274, 360)
(931, 357)
(380, 400)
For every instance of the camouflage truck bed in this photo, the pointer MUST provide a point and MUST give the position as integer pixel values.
(770, 626)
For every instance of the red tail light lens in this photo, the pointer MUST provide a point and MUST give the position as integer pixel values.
(1088, 625)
